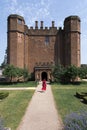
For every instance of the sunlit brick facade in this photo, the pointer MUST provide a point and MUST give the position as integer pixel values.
(39, 48)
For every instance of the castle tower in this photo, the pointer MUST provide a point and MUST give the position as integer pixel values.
(16, 40)
(72, 40)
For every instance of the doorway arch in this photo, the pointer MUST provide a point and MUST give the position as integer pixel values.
(44, 75)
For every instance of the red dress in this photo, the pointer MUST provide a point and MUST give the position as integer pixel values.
(44, 84)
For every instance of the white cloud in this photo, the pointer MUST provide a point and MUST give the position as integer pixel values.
(14, 1)
(42, 2)
(31, 11)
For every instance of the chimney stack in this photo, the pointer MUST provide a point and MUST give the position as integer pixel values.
(36, 24)
(41, 25)
(53, 24)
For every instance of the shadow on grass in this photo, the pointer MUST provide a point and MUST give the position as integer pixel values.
(82, 96)
(9, 83)
(67, 83)
(13, 83)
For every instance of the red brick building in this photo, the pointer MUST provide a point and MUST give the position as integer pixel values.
(39, 48)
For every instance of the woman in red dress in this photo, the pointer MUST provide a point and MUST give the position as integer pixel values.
(44, 85)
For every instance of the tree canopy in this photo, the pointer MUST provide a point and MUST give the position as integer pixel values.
(12, 72)
(69, 73)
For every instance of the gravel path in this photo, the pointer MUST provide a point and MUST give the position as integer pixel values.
(41, 113)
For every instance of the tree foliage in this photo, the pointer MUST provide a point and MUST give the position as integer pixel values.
(4, 63)
(71, 73)
(82, 72)
(57, 73)
(12, 72)
(65, 74)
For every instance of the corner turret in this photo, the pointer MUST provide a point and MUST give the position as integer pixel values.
(16, 40)
(16, 23)
(72, 40)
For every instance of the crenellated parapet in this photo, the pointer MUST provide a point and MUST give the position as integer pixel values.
(41, 30)
(16, 23)
(41, 26)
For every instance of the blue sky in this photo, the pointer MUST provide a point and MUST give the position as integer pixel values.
(47, 11)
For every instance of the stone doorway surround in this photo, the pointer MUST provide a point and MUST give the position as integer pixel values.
(44, 75)
(43, 72)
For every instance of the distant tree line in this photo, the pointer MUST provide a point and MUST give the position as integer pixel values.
(60, 73)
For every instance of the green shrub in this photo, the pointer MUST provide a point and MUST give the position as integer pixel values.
(3, 95)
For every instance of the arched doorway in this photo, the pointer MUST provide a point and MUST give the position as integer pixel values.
(44, 76)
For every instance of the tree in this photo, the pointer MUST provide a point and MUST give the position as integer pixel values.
(10, 72)
(65, 74)
(57, 73)
(82, 72)
(19, 72)
(22, 73)
(4, 63)
(25, 74)
(71, 72)
(14, 72)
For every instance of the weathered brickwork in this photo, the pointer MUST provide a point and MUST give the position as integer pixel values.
(39, 48)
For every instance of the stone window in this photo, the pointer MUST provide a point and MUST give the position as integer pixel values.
(19, 21)
(46, 40)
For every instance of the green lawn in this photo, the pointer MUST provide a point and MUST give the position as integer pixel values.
(24, 84)
(13, 107)
(66, 101)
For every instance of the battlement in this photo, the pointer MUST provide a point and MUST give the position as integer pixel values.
(41, 30)
(17, 23)
(73, 17)
(42, 26)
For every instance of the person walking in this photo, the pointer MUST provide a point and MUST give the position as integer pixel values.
(44, 85)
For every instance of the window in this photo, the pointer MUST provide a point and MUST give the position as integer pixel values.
(47, 40)
(19, 21)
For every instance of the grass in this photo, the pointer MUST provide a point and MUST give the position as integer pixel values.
(65, 99)
(13, 107)
(24, 84)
